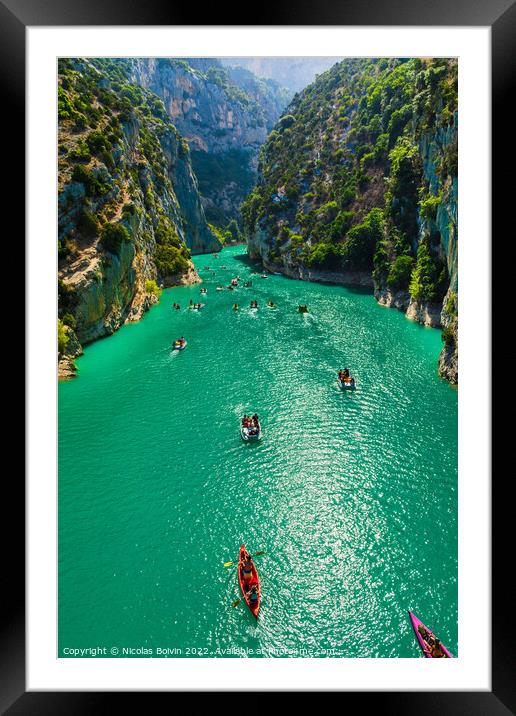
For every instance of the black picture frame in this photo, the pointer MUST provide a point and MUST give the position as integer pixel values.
(15, 16)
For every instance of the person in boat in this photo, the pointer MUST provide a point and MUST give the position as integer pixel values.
(178, 307)
(345, 377)
(235, 307)
(436, 649)
(423, 632)
(247, 569)
(253, 594)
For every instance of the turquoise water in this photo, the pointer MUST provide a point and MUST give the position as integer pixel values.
(353, 496)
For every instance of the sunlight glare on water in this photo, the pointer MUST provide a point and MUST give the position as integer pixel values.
(352, 495)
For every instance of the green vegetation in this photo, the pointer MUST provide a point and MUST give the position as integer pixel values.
(220, 170)
(428, 278)
(448, 336)
(170, 261)
(62, 337)
(112, 236)
(152, 287)
(451, 304)
(230, 234)
(114, 139)
(343, 172)
(400, 273)
(93, 184)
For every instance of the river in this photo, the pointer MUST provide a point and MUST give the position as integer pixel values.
(352, 495)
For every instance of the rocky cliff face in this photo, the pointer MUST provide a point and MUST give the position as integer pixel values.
(225, 117)
(359, 178)
(129, 211)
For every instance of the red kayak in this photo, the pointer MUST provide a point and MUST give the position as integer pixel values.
(425, 638)
(246, 587)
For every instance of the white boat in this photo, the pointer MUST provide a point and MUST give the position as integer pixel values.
(219, 288)
(347, 385)
(251, 436)
(264, 275)
(197, 307)
(176, 347)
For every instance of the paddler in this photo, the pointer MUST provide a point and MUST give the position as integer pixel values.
(436, 650)
(247, 569)
(253, 594)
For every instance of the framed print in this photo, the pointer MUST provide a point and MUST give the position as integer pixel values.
(264, 479)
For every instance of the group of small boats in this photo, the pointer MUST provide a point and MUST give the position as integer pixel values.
(251, 431)
(249, 581)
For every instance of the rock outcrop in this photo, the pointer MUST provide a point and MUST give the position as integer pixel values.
(224, 115)
(129, 210)
(358, 183)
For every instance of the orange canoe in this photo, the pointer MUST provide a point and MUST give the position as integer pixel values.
(245, 587)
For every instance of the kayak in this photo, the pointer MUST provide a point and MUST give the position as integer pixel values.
(254, 608)
(346, 386)
(422, 643)
(244, 432)
(179, 348)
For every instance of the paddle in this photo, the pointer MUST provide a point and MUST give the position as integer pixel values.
(236, 603)
(257, 554)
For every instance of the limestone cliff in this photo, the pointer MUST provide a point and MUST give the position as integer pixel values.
(129, 211)
(225, 116)
(358, 183)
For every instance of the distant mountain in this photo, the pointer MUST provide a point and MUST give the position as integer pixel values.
(295, 73)
(225, 116)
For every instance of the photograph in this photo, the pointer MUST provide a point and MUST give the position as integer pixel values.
(257, 357)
